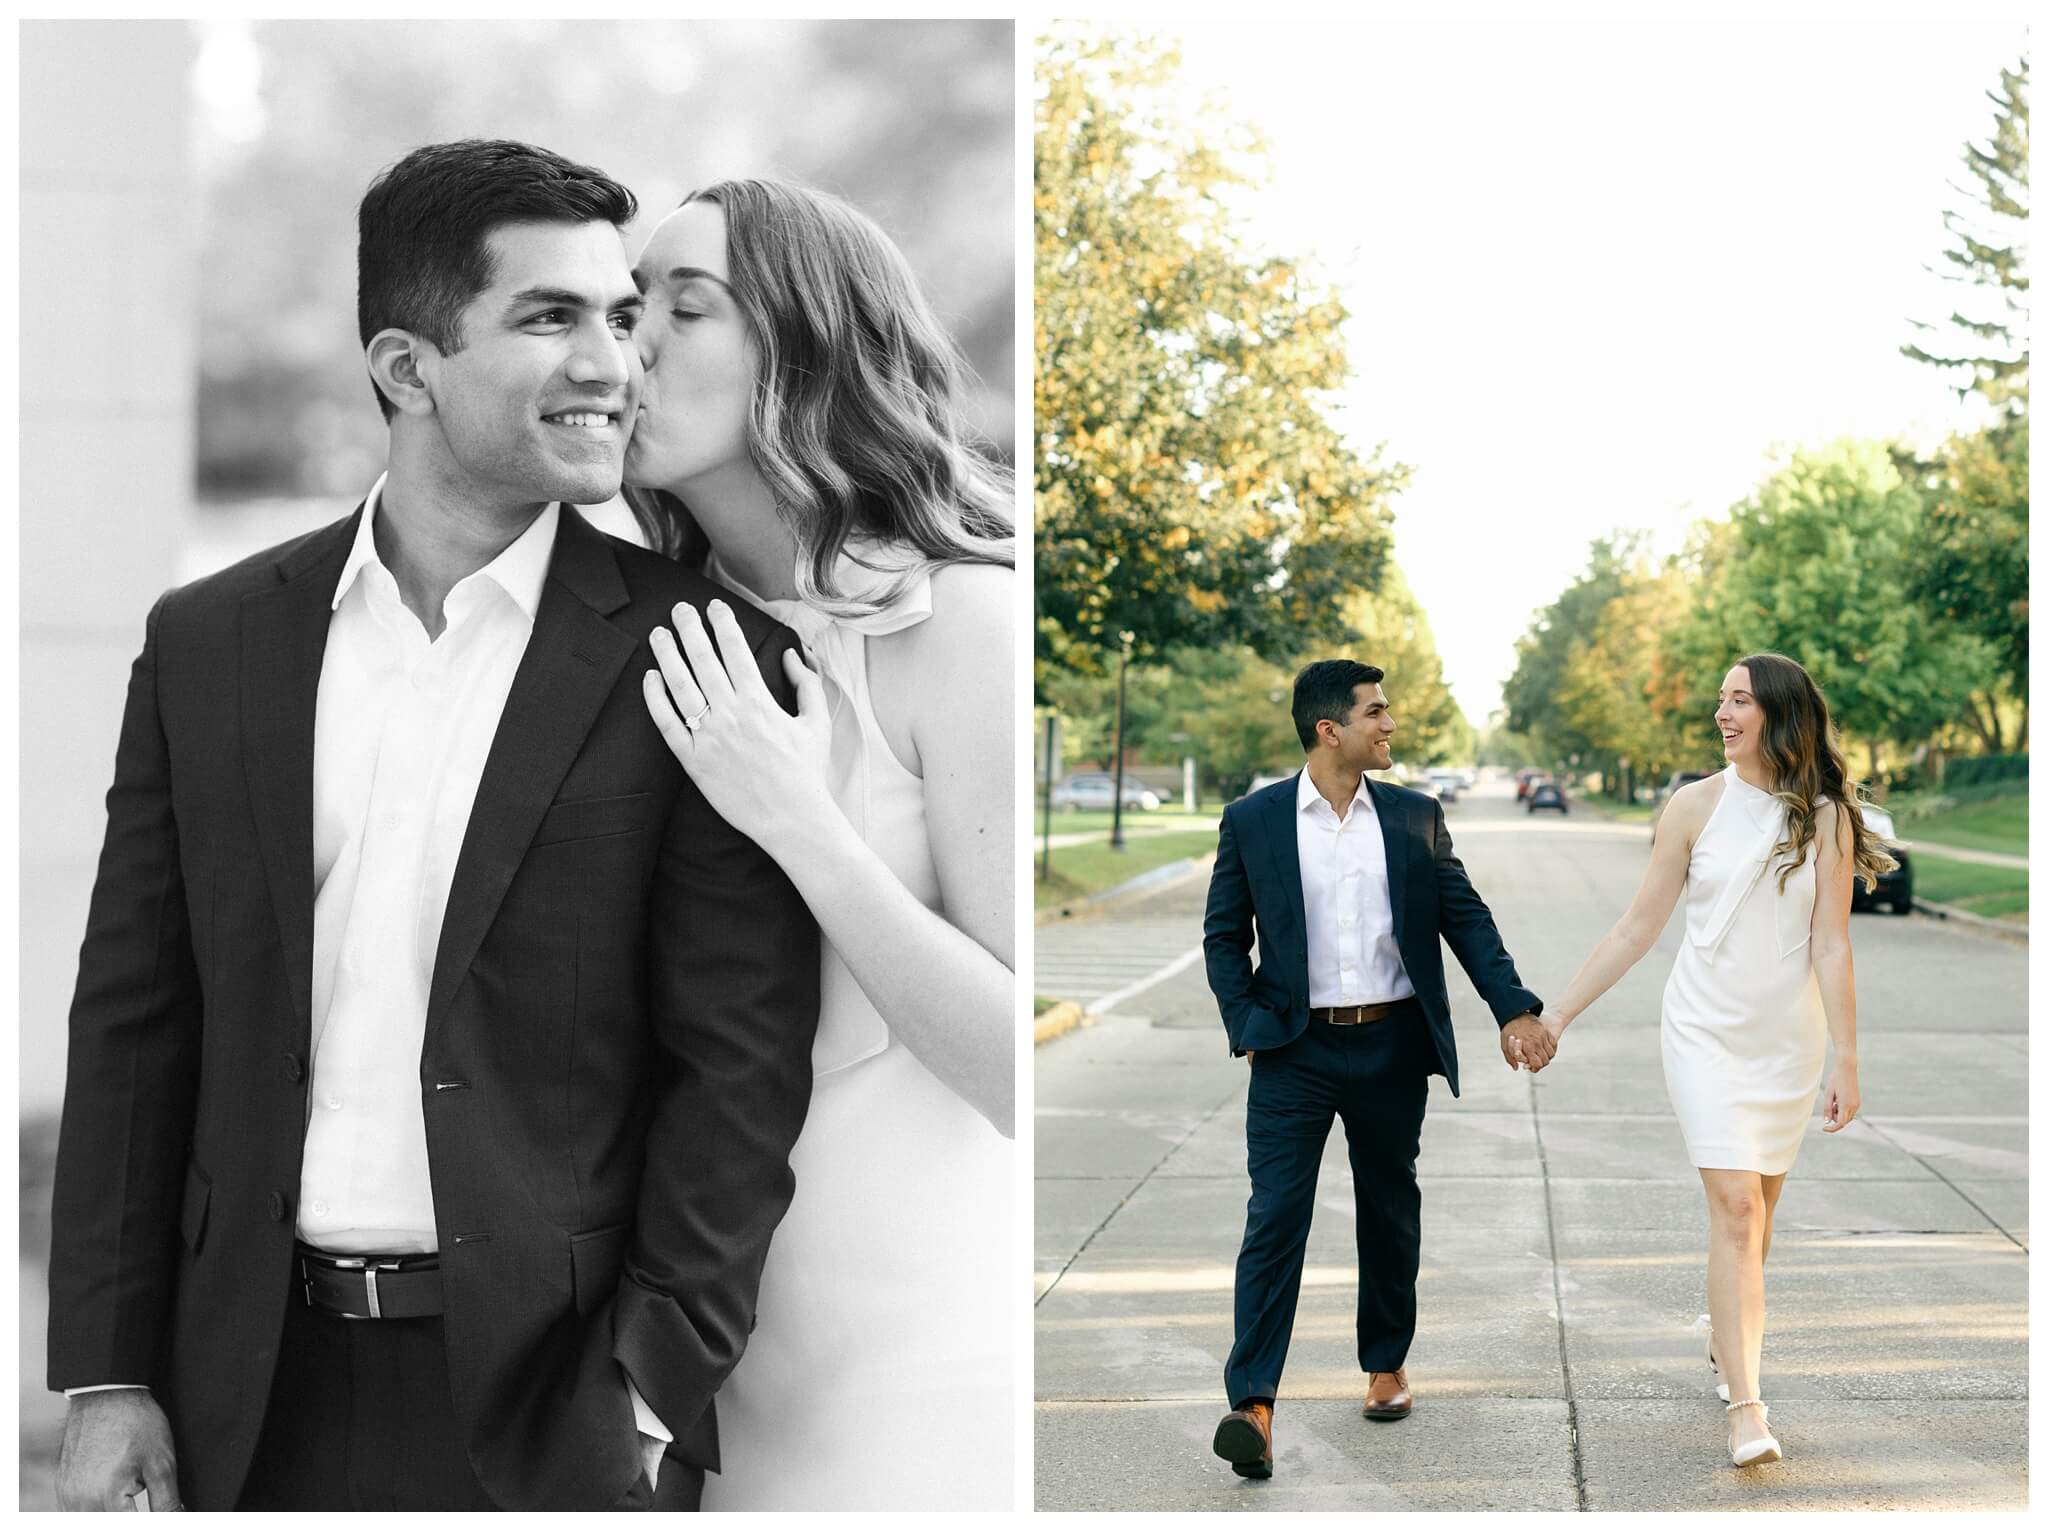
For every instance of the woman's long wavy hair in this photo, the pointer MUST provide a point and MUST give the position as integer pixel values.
(1804, 755)
(856, 422)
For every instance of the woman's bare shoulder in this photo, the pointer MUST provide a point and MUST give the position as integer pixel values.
(1693, 804)
(972, 620)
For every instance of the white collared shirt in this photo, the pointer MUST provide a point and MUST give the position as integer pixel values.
(1352, 956)
(399, 742)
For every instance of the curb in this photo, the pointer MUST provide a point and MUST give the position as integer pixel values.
(1144, 882)
(1062, 1018)
(2005, 928)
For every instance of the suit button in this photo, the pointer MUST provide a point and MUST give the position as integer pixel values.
(277, 1206)
(293, 1068)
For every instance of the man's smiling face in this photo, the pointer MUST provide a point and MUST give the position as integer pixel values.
(537, 404)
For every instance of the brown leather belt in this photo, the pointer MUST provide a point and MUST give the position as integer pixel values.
(1359, 1015)
(371, 1286)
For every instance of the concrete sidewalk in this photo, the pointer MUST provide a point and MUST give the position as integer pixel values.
(1959, 853)
(1563, 1252)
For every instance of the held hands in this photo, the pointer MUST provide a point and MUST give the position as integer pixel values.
(116, 1444)
(754, 763)
(1844, 1098)
(1528, 1042)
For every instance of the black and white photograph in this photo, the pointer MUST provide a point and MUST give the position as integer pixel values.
(519, 729)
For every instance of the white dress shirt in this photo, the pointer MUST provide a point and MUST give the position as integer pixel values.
(1352, 955)
(399, 742)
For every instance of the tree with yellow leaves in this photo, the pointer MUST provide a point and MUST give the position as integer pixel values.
(1190, 489)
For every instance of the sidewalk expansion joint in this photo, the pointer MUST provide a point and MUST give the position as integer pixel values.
(1564, 1359)
(1938, 1175)
(1125, 1200)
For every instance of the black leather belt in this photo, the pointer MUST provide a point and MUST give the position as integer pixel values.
(371, 1286)
(1358, 1015)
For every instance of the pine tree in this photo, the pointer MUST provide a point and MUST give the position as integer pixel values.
(1988, 258)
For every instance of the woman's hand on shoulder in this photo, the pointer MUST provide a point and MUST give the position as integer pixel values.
(755, 764)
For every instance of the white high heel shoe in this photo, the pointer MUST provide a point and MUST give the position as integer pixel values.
(1703, 1326)
(1764, 1448)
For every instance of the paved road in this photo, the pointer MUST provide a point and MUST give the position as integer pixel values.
(1563, 1240)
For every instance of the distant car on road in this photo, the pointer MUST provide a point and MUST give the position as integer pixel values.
(1447, 784)
(1524, 780)
(1098, 790)
(1546, 793)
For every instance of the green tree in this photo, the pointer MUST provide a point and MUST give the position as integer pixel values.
(1973, 568)
(1987, 259)
(1190, 488)
(1631, 698)
(1822, 569)
(1238, 720)
(1532, 695)
(1394, 634)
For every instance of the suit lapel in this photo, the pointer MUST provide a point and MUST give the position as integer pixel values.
(284, 641)
(1286, 849)
(572, 662)
(1394, 831)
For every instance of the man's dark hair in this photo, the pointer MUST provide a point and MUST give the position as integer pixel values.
(422, 231)
(1323, 690)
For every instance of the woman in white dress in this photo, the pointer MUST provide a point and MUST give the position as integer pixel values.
(801, 434)
(1765, 854)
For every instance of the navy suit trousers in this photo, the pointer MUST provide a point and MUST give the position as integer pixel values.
(1375, 1079)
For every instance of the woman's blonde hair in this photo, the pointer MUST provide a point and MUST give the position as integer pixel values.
(1804, 755)
(856, 422)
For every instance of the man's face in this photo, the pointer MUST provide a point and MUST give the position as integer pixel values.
(537, 404)
(1365, 742)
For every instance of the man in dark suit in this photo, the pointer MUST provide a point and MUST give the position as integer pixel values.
(1349, 884)
(437, 1052)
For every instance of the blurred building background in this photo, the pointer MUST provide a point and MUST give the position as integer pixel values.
(192, 386)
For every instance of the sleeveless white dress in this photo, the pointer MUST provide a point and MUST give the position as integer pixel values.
(1745, 1037)
(880, 1373)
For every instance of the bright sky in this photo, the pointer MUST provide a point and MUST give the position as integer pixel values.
(1599, 270)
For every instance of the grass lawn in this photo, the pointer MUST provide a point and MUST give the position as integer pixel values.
(1621, 813)
(1079, 870)
(1997, 893)
(1999, 825)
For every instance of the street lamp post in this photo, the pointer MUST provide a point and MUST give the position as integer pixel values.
(1116, 799)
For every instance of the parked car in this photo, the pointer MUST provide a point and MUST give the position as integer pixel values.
(1098, 790)
(1894, 888)
(1447, 784)
(1545, 793)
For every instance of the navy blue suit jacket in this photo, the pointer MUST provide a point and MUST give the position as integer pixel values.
(1256, 888)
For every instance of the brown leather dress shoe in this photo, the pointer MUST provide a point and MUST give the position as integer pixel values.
(1244, 1439)
(1387, 1395)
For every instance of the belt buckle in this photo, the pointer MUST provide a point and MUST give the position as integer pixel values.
(362, 1263)
(370, 1269)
